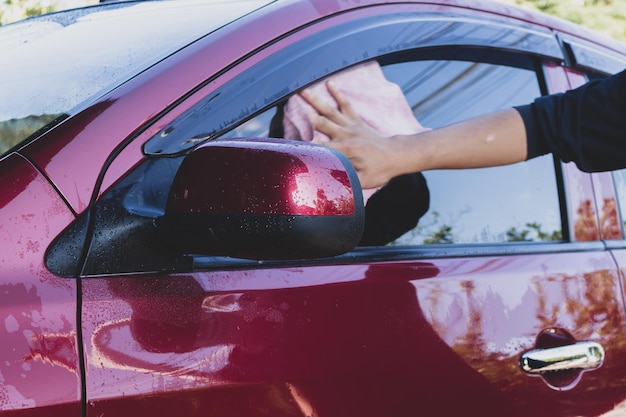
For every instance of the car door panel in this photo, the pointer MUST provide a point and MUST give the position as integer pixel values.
(338, 341)
(437, 336)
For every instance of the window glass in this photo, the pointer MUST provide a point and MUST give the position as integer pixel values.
(514, 203)
(257, 127)
(445, 92)
(501, 204)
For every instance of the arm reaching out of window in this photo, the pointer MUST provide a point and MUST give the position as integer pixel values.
(495, 139)
(585, 126)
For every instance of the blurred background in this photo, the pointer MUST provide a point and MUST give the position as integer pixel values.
(13, 10)
(605, 16)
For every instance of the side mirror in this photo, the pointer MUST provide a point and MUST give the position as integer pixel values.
(265, 200)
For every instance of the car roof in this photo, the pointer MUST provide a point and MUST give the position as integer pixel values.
(81, 48)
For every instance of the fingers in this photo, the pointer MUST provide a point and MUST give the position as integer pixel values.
(337, 121)
(348, 133)
(342, 114)
(344, 105)
(327, 120)
(322, 108)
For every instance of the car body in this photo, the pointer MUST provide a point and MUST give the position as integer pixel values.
(125, 290)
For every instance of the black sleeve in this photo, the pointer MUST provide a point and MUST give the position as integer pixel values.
(586, 125)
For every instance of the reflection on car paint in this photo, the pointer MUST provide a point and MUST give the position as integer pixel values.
(38, 310)
(415, 317)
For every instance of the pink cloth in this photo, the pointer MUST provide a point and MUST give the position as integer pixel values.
(379, 102)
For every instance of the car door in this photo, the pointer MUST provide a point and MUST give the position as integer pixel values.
(437, 322)
(591, 61)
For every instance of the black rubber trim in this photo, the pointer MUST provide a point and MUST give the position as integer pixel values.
(404, 253)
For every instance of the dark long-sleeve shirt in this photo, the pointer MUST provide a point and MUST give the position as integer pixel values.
(586, 125)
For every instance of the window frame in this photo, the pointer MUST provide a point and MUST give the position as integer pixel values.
(413, 252)
(383, 37)
(492, 42)
(487, 47)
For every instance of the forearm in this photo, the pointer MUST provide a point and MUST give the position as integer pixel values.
(491, 140)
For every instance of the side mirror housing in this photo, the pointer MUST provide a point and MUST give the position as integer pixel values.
(265, 200)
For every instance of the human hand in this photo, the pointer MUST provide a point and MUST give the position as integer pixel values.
(371, 154)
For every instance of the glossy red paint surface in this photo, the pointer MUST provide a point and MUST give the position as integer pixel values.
(352, 339)
(347, 337)
(38, 310)
(606, 199)
(295, 182)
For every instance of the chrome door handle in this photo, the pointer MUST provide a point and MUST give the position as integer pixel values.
(580, 355)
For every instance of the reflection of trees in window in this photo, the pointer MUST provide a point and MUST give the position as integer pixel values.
(431, 230)
(14, 131)
(532, 233)
(434, 230)
(440, 236)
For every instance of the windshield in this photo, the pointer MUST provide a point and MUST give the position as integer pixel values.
(53, 65)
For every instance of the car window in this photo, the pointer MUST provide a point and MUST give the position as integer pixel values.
(445, 78)
(501, 204)
(517, 203)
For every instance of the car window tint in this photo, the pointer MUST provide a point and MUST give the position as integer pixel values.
(517, 203)
(502, 204)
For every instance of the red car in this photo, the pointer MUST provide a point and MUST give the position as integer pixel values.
(166, 249)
